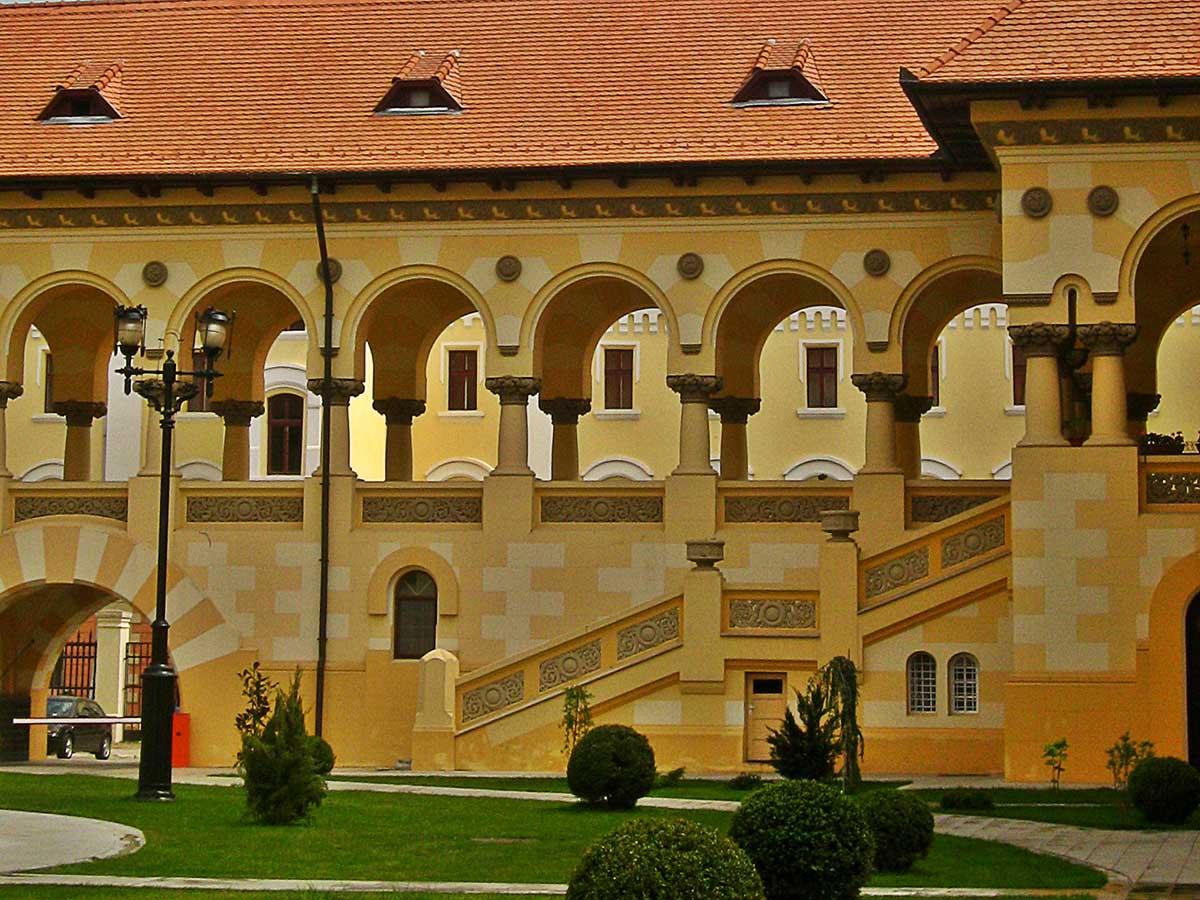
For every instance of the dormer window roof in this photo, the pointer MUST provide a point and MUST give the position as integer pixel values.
(784, 74)
(90, 94)
(425, 84)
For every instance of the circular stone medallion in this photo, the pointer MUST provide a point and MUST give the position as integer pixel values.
(335, 271)
(508, 268)
(154, 273)
(1037, 203)
(1103, 201)
(877, 263)
(690, 265)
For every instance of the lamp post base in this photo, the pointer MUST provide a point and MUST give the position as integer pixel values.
(158, 708)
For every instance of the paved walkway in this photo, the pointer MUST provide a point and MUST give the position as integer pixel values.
(39, 840)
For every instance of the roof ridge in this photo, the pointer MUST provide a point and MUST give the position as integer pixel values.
(994, 18)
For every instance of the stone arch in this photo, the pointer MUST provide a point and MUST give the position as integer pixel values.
(459, 469)
(618, 467)
(399, 562)
(1162, 698)
(1154, 225)
(820, 467)
(938, 468)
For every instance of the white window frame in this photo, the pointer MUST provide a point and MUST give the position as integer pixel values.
(821, 412)
(970, 695)
(926, 690)
(939, 411)
(603, 412)
(444, 380)
(1012, 409)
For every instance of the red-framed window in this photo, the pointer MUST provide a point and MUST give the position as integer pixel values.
(463, 366)
(48, 385)
(1018, 375)
(285, 434)
(821, 376)
(935, 375)
(618, 378)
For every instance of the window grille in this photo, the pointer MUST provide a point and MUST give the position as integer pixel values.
(922, 683)
(964, 684)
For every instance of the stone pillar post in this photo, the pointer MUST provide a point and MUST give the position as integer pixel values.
(512, 452)
(1043, 400)
(9, 390)
(881, 390)
(909, 410)
(1106, 343)
(694, 392)
(564, 413)
(77, 455)
(735, 454)
(398, 451)
(1138, 407)
(701, 671)
(235, 456)
(112, 634)
(837, 575)
(338, 395)
(433, 729)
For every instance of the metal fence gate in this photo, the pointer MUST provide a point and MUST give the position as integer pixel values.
(137, 657)
(75, 671)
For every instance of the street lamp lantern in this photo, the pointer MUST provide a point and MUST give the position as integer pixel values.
(129, 331)
(215, 328)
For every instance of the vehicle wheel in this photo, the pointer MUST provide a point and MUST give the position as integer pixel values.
(67, 750)
(104, 751)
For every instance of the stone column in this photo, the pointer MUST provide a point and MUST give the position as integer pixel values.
(881, 390)
(1138, 407)
(694, 392)
(734, 413)
(909, 410)
(1106, 342)
(9, 390)
(338, 395)
(77, 455)
(398, 452)
(235, 455)
(1043, 399)
(564, 413)
(112, 634)
(514, 391)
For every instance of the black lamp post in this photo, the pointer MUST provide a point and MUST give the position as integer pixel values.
(166, 395)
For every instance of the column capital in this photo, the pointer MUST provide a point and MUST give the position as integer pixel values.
(399, 410)
(237, 412)
(910, 408)
(695, 388)
(564, 410)
(879, 387)
(9, 390)
(735, 410)
(1039, 339)
(339, 390)
(1107, 338)
(1139, 405)
(512, 389)
(80, 412)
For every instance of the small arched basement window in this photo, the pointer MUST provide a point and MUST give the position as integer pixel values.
(964, 684)
(415, 615)
(922, 683)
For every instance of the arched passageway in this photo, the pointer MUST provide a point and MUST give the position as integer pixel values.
(1192, 661)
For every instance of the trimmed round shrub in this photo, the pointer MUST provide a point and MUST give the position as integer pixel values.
(1165, 789)
(902, 825)
(613, 766)
(806, 839)
(665, 859)
(967, 799)
(322, 755)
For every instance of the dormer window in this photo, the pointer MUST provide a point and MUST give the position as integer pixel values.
(779, 88)
(782, 76)
(87, 96)
(425, 85)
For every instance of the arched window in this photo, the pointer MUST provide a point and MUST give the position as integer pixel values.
(285, 434)
(964, 684)
(415, 615)
(922, 683)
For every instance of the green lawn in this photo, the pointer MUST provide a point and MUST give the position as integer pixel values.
(1093, 808)
(360, 835)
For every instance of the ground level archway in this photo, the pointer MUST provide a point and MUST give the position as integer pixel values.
(1192, 657)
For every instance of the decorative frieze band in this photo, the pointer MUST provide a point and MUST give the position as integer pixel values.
(568, 666)
(245, 509)
(602, 509)
(794, 615)
(936, 507)
(771, 508)
(489, 698)
(898, 572)
(647, 634)
(1168, 130)
(25, 508)
(985, 536)
(451, 510)
(1173, 487)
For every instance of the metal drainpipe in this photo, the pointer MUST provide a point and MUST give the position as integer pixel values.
(326, 385)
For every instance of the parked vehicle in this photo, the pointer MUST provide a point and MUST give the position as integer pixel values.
(64, 740)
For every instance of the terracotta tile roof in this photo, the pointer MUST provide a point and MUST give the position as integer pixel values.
(104, 79)
(275, 86)
(1057, 40)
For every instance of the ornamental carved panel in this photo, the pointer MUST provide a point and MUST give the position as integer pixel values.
(782, 614)
(245, 509)
(602, 509)
(772, 508)
(568, 666)
(647, 634)
(935, 508)
(898, 572)
(983, 537)
(423, 509)
(1173, 487)
(489, 698)
(25, 508)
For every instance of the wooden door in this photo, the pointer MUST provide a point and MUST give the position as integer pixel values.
(766, 702)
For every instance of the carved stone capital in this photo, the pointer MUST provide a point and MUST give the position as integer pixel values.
(879, 387)
(705, 554)
(398, 410)
(154, 390)
(839, 524)
(910, 408)
(695, 388)
(513, 389)
(1039, 339)
(80, 413)
(1107, 338)
(735, 410)
(1139, 405)
(564, 410)
(9, 390)
(338, 392)
(238, 412)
